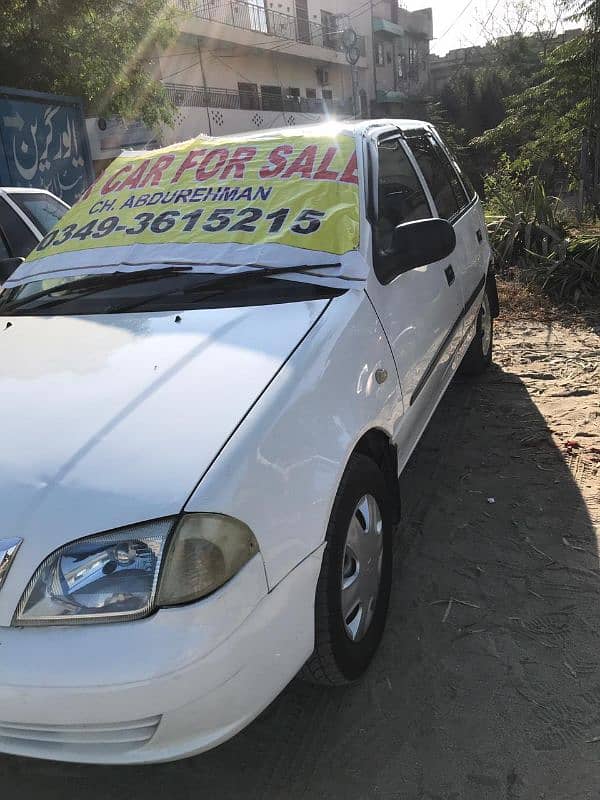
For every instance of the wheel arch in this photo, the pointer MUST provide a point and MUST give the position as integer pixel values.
(491, 288)
(377, 445)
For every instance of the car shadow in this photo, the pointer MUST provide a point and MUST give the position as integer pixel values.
(487, 683)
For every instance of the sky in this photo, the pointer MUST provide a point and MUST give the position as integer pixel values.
(451, 31)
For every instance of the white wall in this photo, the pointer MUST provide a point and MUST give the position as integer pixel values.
(220, 65)
(191, 122)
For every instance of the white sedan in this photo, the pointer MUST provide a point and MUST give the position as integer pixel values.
(212, 373)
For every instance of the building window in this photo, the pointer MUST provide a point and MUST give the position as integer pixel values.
(248, 95)
(362, 46)
(329, 23)
(327, 94)
(412, 55)
(293, 92)
(272, 98)
(379, 54)
(388, 57)
(311, 94)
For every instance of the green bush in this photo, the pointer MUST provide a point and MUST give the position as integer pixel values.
(532, 237)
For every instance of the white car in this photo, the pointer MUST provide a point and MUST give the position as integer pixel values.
(212, 373)
(26, 216)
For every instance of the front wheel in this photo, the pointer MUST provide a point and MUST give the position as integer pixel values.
(479, 355)
(353, 590)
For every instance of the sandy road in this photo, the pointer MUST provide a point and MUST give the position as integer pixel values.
(487, 684)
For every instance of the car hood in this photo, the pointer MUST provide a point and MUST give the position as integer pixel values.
(111, 420)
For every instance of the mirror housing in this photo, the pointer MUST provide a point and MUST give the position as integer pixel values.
(8, 266)
(416, 244)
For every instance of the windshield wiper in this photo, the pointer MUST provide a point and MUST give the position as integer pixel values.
(96, 283)
(218, 280)
(92, 284)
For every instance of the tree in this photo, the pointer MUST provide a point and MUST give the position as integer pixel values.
(101, 50)
(545, 123)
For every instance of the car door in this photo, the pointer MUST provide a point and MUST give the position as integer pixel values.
(419, 309)
(453, 203)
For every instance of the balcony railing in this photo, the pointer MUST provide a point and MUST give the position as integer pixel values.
(254, 16)
(252, 100)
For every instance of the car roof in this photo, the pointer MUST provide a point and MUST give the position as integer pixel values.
(333, 127)
(26, 190)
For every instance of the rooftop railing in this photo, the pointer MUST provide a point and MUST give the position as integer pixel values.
(255, 16)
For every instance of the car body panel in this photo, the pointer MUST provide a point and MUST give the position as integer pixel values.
(281, 470)
(120, 418)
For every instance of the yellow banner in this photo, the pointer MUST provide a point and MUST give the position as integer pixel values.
(297, 190)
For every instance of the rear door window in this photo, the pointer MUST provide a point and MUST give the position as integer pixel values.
(448, 192)
(21, 240)
(42, 209)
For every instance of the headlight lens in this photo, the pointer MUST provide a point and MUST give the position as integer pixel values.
(98, 579)
(114, 576)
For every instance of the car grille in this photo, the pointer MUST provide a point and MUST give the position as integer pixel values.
(79, 738)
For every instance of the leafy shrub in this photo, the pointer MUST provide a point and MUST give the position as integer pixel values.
(531, 236)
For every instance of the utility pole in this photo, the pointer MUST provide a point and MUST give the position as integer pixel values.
(352, 51)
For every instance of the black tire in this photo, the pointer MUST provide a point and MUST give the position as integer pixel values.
(479, 355)
(337, 659)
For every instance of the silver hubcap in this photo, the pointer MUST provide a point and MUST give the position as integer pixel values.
(361, 568)
(486, 325)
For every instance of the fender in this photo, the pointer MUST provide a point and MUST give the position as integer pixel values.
(280, 471)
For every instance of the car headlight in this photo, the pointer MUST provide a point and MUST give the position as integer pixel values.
(128, 573)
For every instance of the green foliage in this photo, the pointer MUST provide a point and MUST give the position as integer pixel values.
(544, 123)
(100, 50)
(529, 231)
(475, 99)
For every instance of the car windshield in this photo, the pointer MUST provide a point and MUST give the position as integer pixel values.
(166, 289)
(43, 210)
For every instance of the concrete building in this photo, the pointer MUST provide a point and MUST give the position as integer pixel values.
(401, 58)
(241, 65)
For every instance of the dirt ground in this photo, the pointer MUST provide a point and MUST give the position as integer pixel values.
(487, 684)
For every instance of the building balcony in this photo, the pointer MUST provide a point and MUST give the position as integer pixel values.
(210, 97)
(386, 27)
(250, 23)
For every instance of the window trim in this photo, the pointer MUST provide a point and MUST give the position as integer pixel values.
(6, 244)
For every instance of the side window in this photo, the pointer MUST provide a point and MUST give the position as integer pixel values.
(469, 190)
(444, 184)
(401, 197)
(21, 240)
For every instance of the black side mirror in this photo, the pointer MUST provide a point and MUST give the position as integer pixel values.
(416, 244)
(8, 266)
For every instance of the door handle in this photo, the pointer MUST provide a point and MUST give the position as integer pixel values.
(450, 276)
(479, 236)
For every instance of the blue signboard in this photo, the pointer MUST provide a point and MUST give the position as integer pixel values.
(43, 143)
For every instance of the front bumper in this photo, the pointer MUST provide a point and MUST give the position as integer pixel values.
(167, 687)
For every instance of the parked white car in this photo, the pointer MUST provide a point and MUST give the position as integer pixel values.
(26, 216)
(212, 373)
